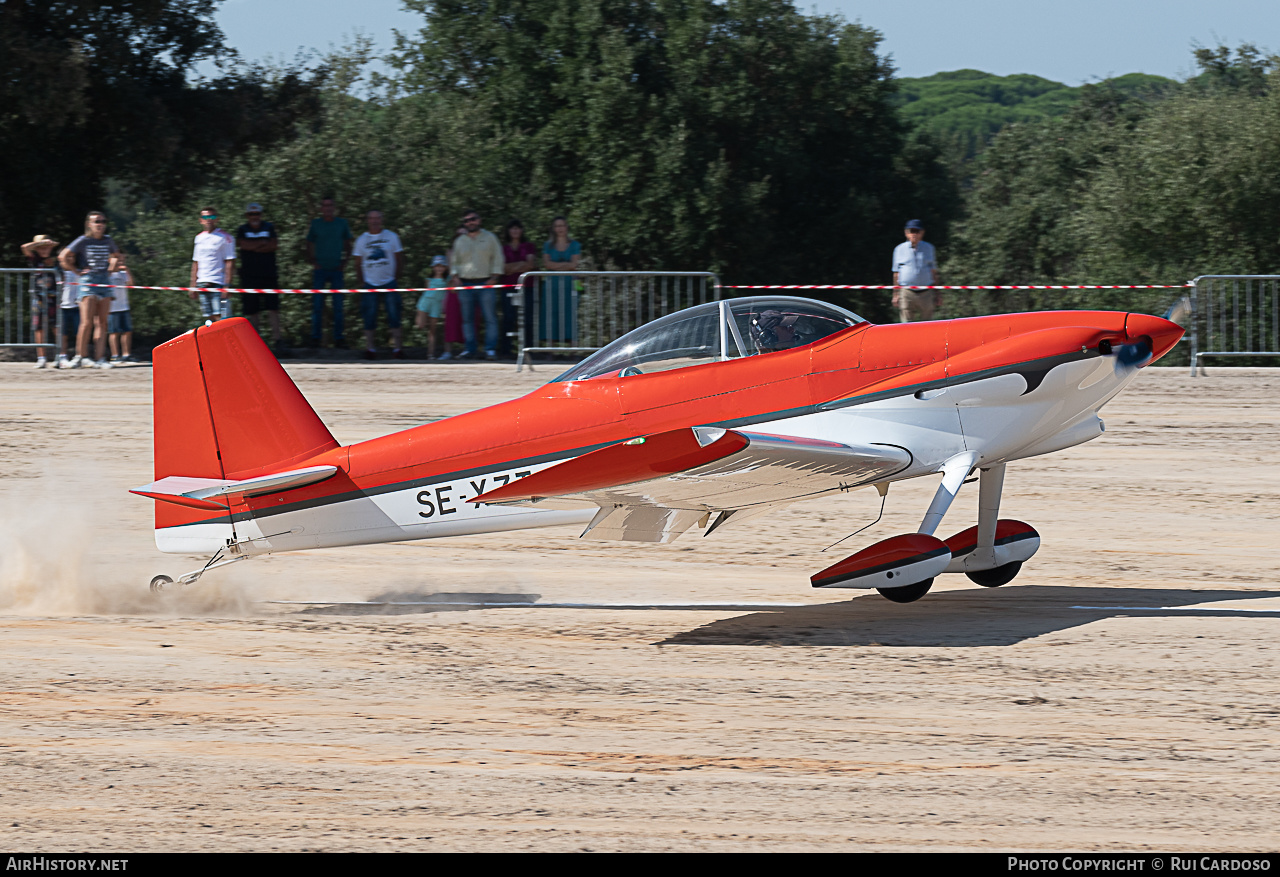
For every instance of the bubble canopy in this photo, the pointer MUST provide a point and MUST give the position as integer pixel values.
(715, 331)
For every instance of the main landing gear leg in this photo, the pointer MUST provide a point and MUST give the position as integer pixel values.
(990, 487)
(161, 582)
(983, 556)
(954, 472)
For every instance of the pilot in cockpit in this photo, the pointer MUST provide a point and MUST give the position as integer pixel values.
(772, 330)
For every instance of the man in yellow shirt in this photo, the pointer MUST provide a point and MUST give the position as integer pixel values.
(477, 261)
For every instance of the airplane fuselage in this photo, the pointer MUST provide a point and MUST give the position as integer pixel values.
(999, 388)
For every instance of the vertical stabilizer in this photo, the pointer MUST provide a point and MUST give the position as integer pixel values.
(224, 408)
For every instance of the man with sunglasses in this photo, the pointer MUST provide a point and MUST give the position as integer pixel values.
(212, 263)
(477, 261)
(258, 243)
(87, 263)
(915, 263)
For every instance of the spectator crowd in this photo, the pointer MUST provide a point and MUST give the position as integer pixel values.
(87, 283)
(468, 289)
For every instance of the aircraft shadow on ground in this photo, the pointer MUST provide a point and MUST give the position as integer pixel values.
(962, 618)
(420, 602)
(948, 619)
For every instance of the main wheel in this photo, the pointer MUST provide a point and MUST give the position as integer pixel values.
(994, 578)
(159, 583)
(907, 593)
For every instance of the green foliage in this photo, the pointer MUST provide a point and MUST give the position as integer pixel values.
(1196, 191)
(1028, 187)
(1246, 70)
(739, 136)
(742, 137)
(95, 90)
(415, 158)
(965, 109)
(1123, 190)
(689, 133)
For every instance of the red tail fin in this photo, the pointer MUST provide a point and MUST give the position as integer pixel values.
(224, 408)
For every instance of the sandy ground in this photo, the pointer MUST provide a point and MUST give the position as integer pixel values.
(1122, 693)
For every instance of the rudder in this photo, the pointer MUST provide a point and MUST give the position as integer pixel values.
(225, 408)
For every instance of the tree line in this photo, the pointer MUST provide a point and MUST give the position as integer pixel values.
(965, 109)
(743, 137)
(101, 91)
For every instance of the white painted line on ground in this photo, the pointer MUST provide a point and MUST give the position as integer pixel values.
(484, 605)
(1178, 609)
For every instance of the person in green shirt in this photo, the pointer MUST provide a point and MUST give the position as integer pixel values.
(328, 248)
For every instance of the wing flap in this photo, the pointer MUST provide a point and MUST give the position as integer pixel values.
(641, 523)
(770, 470)
(201, 493)
(655, 488)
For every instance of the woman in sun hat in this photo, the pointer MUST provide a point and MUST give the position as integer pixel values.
(44, 291)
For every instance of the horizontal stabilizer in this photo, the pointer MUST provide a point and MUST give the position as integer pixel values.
(200, 493)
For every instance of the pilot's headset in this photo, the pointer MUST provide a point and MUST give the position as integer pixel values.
(764, 328)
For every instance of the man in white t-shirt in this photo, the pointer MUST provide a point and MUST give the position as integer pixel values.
(212, 264)
(379, 265)
(915, 263)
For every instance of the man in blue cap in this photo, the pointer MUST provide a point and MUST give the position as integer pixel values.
(915, 263)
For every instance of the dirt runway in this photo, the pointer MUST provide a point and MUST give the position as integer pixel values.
(1122, 693)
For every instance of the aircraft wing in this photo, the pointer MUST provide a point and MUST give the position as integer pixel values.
(652, 489)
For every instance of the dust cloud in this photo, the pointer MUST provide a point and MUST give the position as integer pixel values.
(56, 559)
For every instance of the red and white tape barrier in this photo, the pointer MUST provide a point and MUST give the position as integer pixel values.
(1003, 286)
(722, 286)
(302, 291)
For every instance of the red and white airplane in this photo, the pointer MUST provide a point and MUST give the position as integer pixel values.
(705, 418)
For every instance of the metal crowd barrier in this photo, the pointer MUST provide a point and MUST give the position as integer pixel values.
(1234, 315)
(21, 289)
(582, 311)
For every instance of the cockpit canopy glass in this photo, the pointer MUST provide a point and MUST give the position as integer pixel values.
(714, 331)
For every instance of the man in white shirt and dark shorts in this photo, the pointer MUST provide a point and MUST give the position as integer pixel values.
(212, 263)
(915, 263)
(379, 263)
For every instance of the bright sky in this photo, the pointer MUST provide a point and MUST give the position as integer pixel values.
(1080, 41)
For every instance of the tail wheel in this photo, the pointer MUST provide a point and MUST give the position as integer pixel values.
(159, 583)
(994, 578)
(907, 593)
